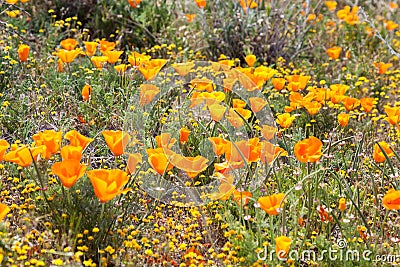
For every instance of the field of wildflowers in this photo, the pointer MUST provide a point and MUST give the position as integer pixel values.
(199, 133)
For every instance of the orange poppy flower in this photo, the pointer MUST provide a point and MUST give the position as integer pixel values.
(210, 98)
(378, 154)
(343, 119)
(4, 209)
(270, 152)
(218, 145)
(349, 15)
(112, 56)
(257, 103)
(106, 46)
(184, 135)
(278, 83)
(331, 5)
(69, 171)
(393, 115)
(23, 52)
(282, 246)
(192, 166)
(248, 150)
(323, 214)
(334, 52)
(382, 67)
(77, 139)
(367, 104)
(217, 111)
(165, 140)
(342, 204)
(134, 3)
(190, 17)
(12, 13)
(4, 145)
(121, 68)
(108, 183)
(308, 150)
(71, 153)
(22, 156)
(242, 197)
(133, 160)
(201, 3)
(86, 92)
(116, 141)
(297, 82)
(285, 120)
(151, 68)
(272, 204)
(91, 48)
(312, 107)
(67, 56)
(11, 2)
(202, 84)
(136, 59)
(183, 68)
(268, 132)
(147, 93)
(250, 59)
(390, 201)
(99, 61)
(350, 103)
(69, 44)
(50, 139)
(158, 160)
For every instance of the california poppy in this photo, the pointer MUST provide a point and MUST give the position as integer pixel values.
(382, 67)
(91, 48)
(297, 82)
(268, 132)
(50, 139)
(308, 150)
(248, 150)
(390, 201)
(86, 92)
(136, 59)
(343, 119)
(67, 56)
(250, 60)
(71, 153)
(4, 209)
(192, 166)
(165, 140)
(278, 83)
(350, 103)
(69, 44)
(4, 145)
(133, 160)
(69, 171)
(106, 46)
(151, 68)
(108, 183)
(113, 56)
(190, 17)
(285, 120)
(158, 160)
(134, 3)
(342, 204)
(23, 156)
(147, 93)
(282, 246)
(367, 103)
(393, 115)
(184, 135)
(218, 144)
(183, 68)
(242, 197)
(77, 139)
(23, 52)
(257, 103)
(201, 3)
(116, 141)
(217, 111)
(378, 154)
(272, 204)
(331, 5)
(121, 68)
(334, 52)
(99, 61)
